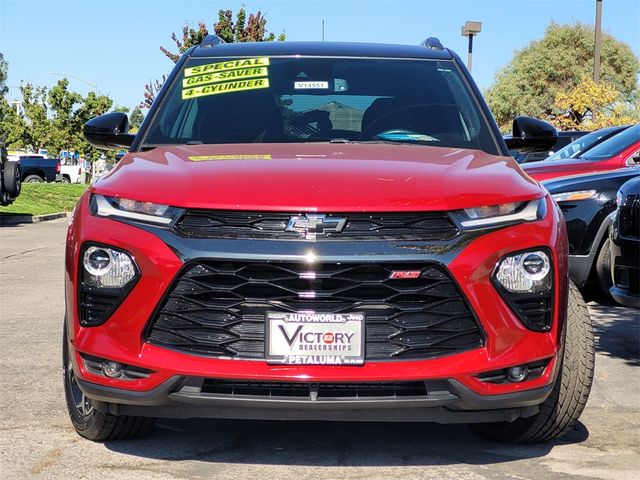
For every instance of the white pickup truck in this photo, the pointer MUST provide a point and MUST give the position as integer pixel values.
(71, 173)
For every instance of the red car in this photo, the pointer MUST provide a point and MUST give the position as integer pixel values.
(621, 150)
(321, 231)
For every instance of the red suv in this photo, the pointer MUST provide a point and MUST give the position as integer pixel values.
(327, 232)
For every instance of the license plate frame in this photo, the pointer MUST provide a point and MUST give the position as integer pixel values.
(313, 338)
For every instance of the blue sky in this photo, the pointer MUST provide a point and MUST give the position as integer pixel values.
(115, 43)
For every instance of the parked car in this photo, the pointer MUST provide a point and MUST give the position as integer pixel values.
(37, 168)
(587, 202)
(581, 145)
(247, 260)
(625, 245)
(621, 150)
(564, 139)
(10, 178)
(71, 173)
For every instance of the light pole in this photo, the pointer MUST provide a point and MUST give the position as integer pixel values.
(471, 29)
(94, 85)
(596, 53)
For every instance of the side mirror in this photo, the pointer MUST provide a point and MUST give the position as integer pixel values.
(109, 131)
(531, 135)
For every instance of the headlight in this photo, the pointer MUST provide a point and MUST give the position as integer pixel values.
(500, 215)
(526, 272)
(102, 206)
(107, 268)
(577, 195)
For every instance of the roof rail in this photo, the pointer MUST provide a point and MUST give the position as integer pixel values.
(211, 41)
(433, 43)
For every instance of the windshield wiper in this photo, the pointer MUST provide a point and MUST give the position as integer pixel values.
(384, 142)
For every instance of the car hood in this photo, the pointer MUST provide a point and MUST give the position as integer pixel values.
(318, 177)
(590, 181)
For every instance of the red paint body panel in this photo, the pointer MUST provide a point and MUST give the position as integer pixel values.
(319, 177)
(576, 166)
(508, 341)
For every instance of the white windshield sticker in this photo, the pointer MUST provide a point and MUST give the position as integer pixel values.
(310, 85)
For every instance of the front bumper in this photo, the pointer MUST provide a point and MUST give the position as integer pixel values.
(625, 266)
(471, 260)
(446, 401)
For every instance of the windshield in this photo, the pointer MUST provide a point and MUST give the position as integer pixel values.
(614, 145)
(311, 99)
(583, 143)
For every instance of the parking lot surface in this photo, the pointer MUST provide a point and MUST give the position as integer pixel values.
(37, 440)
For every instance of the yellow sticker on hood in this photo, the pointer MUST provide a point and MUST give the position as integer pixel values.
(226, 87)
(213, 77)
(227, 65)
(204, 158)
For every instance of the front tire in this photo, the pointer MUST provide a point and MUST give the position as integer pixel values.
(570, 393)
(11, 178)
(91, 423)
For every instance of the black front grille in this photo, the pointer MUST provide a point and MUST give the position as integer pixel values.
(359, 226)
(315, 391)
(218, 308)
(630, 216)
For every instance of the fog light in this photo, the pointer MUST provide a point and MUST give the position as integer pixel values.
(517, 374)
(112, 369)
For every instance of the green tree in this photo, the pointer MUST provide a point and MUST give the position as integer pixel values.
(557, 63)
(9, 127)
(62, 104)
(135, 119)
(52, 119)
(4, 72)
(92, 106)
(37, 132)
(253, 29)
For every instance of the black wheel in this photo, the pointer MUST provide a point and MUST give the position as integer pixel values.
(65, 179)
(33, 179)
(600, 281)
(91, 423)
(603, 270)
(570, 393)
(11, 178)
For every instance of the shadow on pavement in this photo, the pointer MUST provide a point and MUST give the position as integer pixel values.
(617, 332)
(328, 443)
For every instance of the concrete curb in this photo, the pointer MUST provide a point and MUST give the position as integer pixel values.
(16, 219)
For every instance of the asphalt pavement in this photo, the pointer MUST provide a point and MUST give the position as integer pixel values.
(37, 440)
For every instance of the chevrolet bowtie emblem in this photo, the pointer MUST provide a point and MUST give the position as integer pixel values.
(311, 224)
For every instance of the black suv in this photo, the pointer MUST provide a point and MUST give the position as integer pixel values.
(625, 245)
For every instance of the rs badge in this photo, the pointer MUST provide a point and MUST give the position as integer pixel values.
(404, 274)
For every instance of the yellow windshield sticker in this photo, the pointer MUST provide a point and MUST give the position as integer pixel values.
(206, 78)
(227, 65)
(204, 158)
(226, 87)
